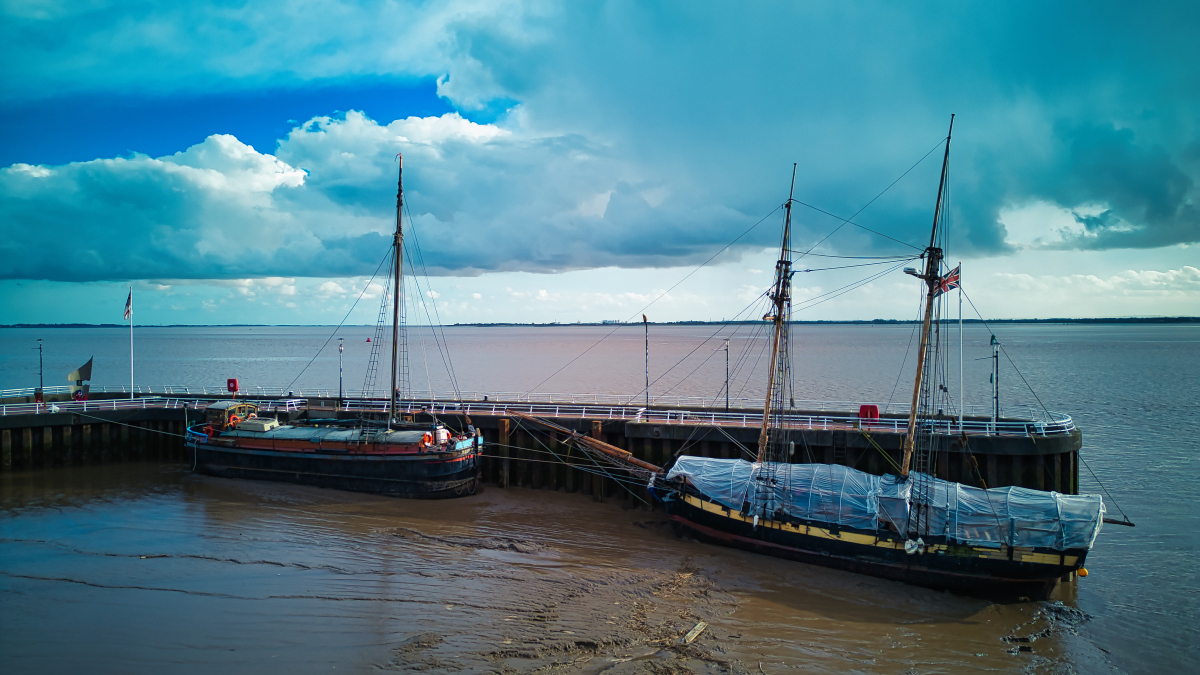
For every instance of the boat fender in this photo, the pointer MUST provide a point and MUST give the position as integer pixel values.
(427, 439)
(910, 547)
(1083, 572)
(234, 420)
(756, 521)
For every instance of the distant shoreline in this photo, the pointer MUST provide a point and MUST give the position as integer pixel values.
(867, 322)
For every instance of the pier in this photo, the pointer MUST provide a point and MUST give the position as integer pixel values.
(1034, 452)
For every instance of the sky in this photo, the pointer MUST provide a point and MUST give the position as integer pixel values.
(236, 163)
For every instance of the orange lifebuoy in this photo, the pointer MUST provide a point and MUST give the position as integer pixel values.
(208, 431)
(234, 420)
(427, 439)
(252, 416)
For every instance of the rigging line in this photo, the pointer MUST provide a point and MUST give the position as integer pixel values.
(809, 304)
(843, 267)
(904, 361)
(443, 349)
(758, 359)
(710, 337)
(864, 208)
(593, 460)
(660, 297)
(421, 256)
(344, 318)
(852, 257)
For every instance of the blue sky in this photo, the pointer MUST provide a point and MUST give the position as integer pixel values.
(234, 162)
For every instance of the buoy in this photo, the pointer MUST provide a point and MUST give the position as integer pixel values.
(1083, 571)
(368, 339)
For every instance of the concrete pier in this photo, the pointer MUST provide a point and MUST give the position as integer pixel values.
(520, 456)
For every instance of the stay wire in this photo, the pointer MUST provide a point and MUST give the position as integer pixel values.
(660, 297)
(339, 326)
(1044, 409)
(697, 347)
(443, 346)
(864, 208)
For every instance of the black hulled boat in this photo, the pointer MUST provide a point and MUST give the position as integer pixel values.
(392, 457)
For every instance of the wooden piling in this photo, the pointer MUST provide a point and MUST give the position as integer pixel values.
(597, 482)
(503, 439)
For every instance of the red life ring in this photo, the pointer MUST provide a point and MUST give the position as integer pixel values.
(208, 431)
(234, 420)
(427, 439)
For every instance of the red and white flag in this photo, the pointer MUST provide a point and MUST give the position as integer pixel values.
(129, 305)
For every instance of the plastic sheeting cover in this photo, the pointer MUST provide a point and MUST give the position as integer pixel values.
(839, 495)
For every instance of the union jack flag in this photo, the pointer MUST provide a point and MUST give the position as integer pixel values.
(129, 305)
(949, 282)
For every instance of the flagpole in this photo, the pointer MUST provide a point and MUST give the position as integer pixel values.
(961, 409)
(131, 343)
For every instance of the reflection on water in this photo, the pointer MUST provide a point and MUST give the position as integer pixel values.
(139, 567)
(142, 567)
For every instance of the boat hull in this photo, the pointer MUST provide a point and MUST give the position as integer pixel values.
(1005, 575)
(435, 475)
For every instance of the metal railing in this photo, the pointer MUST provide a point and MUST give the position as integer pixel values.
(1021, 412)
(664, 410)
(1063, 425)
(270, 405)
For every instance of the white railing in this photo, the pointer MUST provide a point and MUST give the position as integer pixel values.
(708, 417)
(1020, 412)
(272, 405)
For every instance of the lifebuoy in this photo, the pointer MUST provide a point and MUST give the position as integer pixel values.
(427, 439)
(252, 416)
(208, 431)
(234, 420)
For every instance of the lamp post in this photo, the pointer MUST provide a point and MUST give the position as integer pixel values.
(726, 374)
(41, 390)
(341, 348)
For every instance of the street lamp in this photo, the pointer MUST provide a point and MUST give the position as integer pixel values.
(341, 348)
(41, 390)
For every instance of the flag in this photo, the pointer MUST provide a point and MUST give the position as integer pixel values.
(129, 305)
(949, 282)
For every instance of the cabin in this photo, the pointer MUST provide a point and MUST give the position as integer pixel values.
(227, 414)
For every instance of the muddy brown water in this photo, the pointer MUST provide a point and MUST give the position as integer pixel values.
(251, 577)
(146, 568)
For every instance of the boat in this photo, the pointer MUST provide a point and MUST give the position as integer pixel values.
(1002, 543)
(393, 456)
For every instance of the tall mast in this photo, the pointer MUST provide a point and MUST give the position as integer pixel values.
(398, 264)
(933, 262)
(781, 297)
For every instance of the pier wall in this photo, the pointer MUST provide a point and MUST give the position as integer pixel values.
(520, 456)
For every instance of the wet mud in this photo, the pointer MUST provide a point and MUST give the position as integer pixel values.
(139, 569)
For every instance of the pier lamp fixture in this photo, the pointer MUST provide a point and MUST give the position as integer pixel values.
(912, 271)
(341, 348)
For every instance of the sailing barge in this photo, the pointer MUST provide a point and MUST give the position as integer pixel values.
(392, 457)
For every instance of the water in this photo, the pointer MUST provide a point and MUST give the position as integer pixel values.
(137, 568)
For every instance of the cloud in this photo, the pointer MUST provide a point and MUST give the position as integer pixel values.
(479, 198)
(630, 136)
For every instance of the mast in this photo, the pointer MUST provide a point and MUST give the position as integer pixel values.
(933, 262)
(398, 264)
(781, 296)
